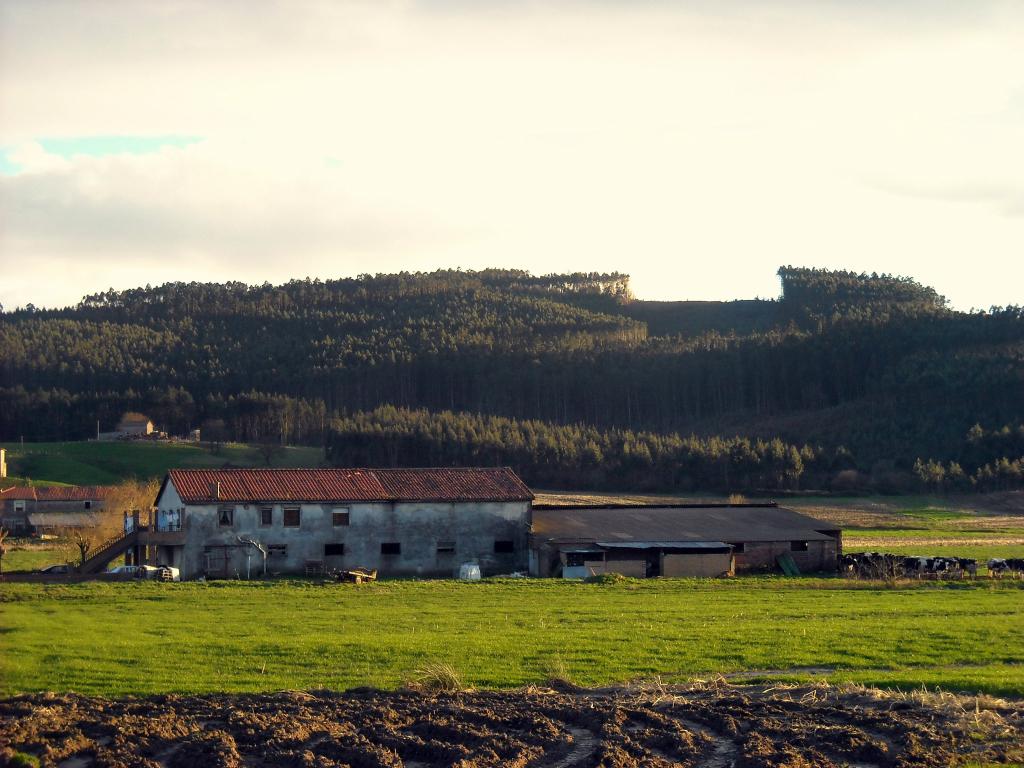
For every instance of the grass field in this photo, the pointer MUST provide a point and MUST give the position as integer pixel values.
(30, 557)
(103, 463)
(135, 638)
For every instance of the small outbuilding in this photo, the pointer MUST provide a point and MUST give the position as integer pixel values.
(677, 540)
(134, 424)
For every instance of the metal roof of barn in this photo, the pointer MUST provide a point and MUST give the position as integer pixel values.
(436, 484)
(676, 524)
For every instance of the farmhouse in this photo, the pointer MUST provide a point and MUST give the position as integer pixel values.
(16, 503)
(132, 426)
(677, 540)
(422, 522)
(25, 510)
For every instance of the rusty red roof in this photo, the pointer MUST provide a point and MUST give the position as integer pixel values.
(199, 486)
(73, 492)
(19, 492)
(56, 492)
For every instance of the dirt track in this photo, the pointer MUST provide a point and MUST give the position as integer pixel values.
(714, 725)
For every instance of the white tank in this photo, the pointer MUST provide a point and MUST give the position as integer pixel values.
(469, 572)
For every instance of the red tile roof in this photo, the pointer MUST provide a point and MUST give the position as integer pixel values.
(19, 492)
(73, 493)
(199, 486)
(56, 492)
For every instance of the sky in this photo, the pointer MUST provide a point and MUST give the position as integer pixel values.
(695, 145)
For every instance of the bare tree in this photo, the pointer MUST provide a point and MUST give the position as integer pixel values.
(3, 535)
(215, 433)
(85, 539)
(269, 450)
(128, 497)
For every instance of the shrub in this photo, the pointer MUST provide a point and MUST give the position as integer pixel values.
(605, 578)
(437, 677)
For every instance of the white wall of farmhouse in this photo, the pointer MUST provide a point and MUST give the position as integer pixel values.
(433, 539)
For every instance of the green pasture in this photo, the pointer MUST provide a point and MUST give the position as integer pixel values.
(105, 463)
(20, 558)
(140, 637)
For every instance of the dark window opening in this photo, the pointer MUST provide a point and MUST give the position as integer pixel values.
(266, 515)
(277, 550)
(334, 549)
(88, 505)
(445, 547)
(292, 517)
(339, 517)
(579, 559)
(504, 547)
(391, 548)
(738, 547)
(798, 546)
(226, 516)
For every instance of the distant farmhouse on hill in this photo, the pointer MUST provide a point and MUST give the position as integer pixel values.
(132, 426)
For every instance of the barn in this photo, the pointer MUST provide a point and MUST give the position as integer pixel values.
(677, 540)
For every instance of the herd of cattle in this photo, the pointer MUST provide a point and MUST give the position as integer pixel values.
(880, 565)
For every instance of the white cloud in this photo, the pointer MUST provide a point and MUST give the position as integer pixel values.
(697, 146)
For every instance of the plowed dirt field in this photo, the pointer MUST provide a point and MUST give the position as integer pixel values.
(715, 725)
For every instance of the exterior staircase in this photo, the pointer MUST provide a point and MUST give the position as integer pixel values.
(97, 562)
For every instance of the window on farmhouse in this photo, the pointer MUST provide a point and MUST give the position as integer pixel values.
(339, 516)
(88, 505)
(277, 550)
(503, 546)
(334, 549)
(737, 547)
(266, 516)
(446, 547)
(292, 516)
(226, 516)
(391, 548)
(798, 546)
(19, 506)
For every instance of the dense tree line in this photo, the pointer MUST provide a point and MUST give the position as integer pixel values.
(875, 363)
(569, 456)
(988, 460)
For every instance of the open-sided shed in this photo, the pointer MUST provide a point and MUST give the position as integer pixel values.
(677, 540)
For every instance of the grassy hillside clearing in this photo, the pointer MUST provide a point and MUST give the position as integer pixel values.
(105, 463)
(137, 638)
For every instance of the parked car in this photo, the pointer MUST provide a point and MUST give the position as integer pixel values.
(59, 568)
(135, 571)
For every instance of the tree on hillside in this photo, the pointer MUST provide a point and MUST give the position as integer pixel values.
(268, 450)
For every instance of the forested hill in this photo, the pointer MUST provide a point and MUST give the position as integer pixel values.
(862, 371)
